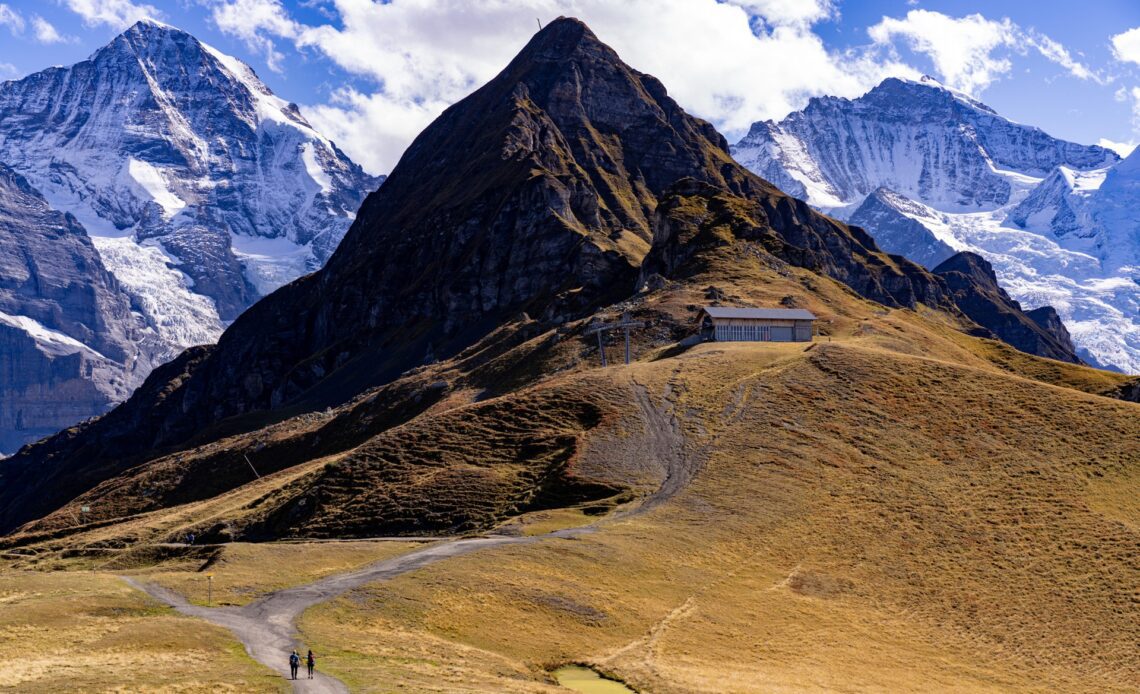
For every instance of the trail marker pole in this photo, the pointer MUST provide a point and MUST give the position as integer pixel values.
(209, 589)
(83, 511)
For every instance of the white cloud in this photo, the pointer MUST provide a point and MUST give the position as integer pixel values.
(789, 12)
(961, 48)
(970, 53)
(1055, 52)
(1126, 46)
(424, 55)
(1133, 95)
(11, 19)
(45, 32)
(115, 13)
(1121, 148)
(255, 21)
(8, 70)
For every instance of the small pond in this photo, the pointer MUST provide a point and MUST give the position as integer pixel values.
(583, 679)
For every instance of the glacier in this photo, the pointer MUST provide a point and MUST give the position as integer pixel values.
(161, 141)
(928, 170)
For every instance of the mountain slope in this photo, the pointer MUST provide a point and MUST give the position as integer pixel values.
(900, 233)
(896, 474)
(70, 344)
(919, 139)
(524, 210)
(1026, 202)
(977, 293)
(539, 193)
(161, 141)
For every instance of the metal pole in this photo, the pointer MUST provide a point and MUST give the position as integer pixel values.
(210, 589)
(251, 467)
(601, 348)
(627, 346)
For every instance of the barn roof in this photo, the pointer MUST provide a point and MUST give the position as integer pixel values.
(759, 313)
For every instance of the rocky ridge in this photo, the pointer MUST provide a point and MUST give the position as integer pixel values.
(552, 193)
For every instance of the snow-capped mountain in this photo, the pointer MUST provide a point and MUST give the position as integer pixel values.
(200, 188)
(894, 219)
(919, 139)
(153, 192)
(70, 344)
(925, 169)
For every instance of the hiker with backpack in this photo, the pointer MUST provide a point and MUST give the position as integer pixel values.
(311, 662)
(294, 663)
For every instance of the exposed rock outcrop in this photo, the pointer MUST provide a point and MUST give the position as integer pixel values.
(886, 215)
(977, 293)
(70, 345)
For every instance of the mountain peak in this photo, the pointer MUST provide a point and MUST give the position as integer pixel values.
(562, 36)
(147, 24)
(902, 93)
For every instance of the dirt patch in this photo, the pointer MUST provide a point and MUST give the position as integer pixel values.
(818, 585)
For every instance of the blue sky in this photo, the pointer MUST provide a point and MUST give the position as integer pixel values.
(372, 74)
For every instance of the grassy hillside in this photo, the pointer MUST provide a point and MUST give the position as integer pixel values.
(896, 507)
(861, 521)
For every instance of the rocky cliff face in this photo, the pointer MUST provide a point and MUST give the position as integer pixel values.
(977, 293)
(172, 153)
(536, 200)
(70, 344)
(898, 233)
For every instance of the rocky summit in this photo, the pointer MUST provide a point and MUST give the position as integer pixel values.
(568, 183)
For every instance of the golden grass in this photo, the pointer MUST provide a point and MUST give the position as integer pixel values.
(901, 508)
(865, 520)
(66, 632)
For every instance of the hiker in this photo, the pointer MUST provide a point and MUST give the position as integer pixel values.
(294, 663)
(190, 538)
(311, 662)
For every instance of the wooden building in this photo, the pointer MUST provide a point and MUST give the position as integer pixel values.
(724, 324)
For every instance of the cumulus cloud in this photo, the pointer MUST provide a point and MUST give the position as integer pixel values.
(255, 22)
(8, 70)
(11, 18)
(118, 14)
(1126, 46)
(742, 61)
(970, 53)
(1125, 94)
(1121, 148)
(961, 49)
(44, 31)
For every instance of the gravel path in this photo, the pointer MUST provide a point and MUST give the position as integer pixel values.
(267, 627)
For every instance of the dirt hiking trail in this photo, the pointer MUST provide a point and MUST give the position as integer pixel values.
(267, 626)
